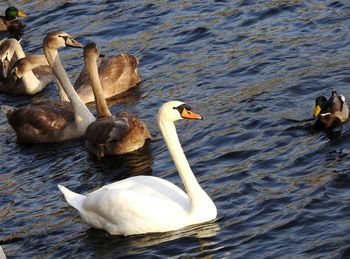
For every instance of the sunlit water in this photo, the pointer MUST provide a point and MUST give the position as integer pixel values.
(253, 70)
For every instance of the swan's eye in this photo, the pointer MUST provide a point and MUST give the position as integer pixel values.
(182, 108)
(65, 38)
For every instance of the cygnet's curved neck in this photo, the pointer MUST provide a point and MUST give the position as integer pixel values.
(34, 61)
(30, 81)
(14, 48)
(193, 189)
(18, 49)
(83, 117)
(100, 101)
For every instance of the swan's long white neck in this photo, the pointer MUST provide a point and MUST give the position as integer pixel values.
(83, 116)
(193, 189)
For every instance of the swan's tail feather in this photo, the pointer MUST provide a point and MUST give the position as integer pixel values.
(2, 254)
(74, 199)
(5, 109)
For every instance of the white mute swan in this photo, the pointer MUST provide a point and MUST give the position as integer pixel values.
(52, 121)
(117, 74)
(143, 204)
(36, 74)
(2, 254)
(110, 135)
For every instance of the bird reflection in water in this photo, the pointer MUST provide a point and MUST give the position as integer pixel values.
(121, 167)
(196, 237)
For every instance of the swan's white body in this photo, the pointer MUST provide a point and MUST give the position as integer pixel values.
(2, 254)
(144, 204)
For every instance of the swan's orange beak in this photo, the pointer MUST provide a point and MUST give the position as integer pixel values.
(187, 114)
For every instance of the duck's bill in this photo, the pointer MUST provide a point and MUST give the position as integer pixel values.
(21, 14)
(317, 110)
(73, 43)
(186, 114)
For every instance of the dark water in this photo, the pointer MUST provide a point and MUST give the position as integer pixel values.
(253, 69)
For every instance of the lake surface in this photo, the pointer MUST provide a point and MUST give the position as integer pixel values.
(253, 70)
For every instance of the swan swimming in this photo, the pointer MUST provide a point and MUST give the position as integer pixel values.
(144, 204)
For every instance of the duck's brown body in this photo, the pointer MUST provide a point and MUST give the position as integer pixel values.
(331, 113)
(327, 121)
(6, 25)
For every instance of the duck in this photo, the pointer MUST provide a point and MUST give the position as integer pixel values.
(36, 72)
(51, 120)
(33, 73)
(145, 204)
(117, 74)
(109, 134)
(9, 21)
(332, 112)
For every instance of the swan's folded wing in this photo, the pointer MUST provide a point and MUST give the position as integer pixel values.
(132, 60)
(43, 116)
(41, 121)
(112, 68)
(83, 78)
(109, 69)
(106, 129)
(135, 210)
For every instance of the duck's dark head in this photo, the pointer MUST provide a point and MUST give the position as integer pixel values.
(12, 13)
(321, 106)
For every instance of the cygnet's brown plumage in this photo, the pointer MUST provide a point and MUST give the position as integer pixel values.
(110, 134)
(42, 121)
(52, 121)
(117, 75)
(32, 73)
(22, 74)
(10, 51)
